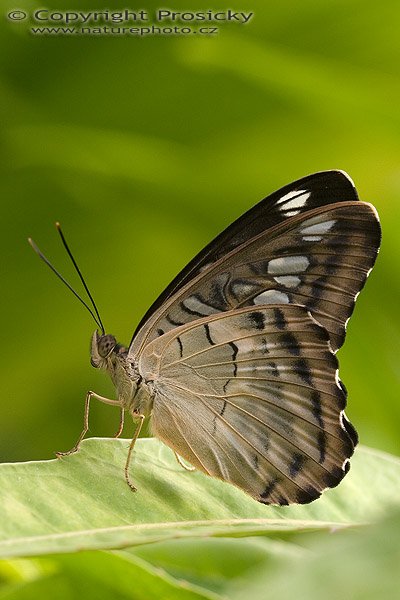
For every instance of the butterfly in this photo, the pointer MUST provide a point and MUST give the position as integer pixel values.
(235, 362)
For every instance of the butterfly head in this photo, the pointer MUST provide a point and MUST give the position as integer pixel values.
(101, 349)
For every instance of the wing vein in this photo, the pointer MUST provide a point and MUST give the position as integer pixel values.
(290, 442)
(249, 443)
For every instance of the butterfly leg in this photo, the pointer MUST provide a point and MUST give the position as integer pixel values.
(183, 464)
(121, 423)
(89, 395)
(140, 419)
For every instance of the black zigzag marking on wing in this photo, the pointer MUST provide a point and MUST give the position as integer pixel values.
(234, 355)
(208, 335)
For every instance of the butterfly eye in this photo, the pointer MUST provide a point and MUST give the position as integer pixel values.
(105, 344)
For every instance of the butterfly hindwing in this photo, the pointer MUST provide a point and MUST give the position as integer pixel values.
(319, 259)
(252, 397)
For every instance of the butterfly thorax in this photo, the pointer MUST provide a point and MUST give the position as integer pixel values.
(132, 392)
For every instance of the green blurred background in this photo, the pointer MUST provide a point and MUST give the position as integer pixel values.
(145, 148)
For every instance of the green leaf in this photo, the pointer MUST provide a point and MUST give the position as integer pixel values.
(118, 576)
(127, 576)
(82, 501)
(214, 562)
(356, 565)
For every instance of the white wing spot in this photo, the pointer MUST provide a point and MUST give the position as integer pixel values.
(312, 238)
(314, 232)
(288, 265)
(297, 198)
(271, 297)
(290, 281)
(293, 202)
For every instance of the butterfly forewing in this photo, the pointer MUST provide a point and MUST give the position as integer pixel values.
(318, 189)
(252, 397)
(319, 259)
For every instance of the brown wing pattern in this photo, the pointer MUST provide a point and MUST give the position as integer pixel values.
(319, 259)
(253, 397)
(318, 189)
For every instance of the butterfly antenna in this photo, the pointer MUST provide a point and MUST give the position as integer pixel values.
(95, 315)
(58, 226)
